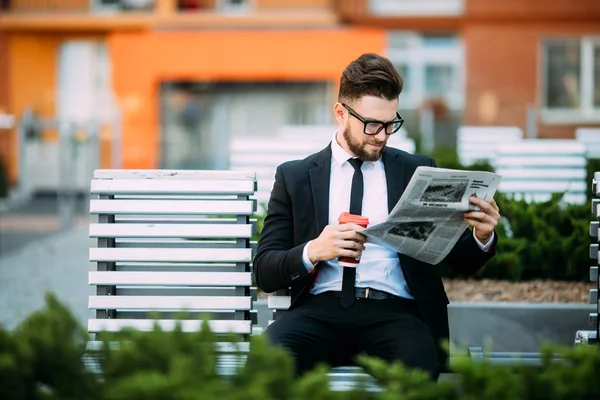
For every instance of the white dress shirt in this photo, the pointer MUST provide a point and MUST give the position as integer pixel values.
(379, 268)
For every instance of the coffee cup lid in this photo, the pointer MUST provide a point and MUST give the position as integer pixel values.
(352, 218)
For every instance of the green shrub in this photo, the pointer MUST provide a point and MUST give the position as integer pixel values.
(41, 359)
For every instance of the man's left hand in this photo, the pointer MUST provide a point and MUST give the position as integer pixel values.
(484, 221)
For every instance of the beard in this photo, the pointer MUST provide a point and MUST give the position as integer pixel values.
(360, 150)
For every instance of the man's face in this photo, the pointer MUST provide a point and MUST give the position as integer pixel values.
(353, 138)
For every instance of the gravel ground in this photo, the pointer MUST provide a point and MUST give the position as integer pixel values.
(538, 291)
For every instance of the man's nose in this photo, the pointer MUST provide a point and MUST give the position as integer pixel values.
(381, 135)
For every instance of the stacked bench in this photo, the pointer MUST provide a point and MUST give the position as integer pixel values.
(263, 155)
(590, 138)
(593, 335)
(534, 169)
(171, 241)
(479, 143)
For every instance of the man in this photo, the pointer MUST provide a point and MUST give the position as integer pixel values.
(391, 306)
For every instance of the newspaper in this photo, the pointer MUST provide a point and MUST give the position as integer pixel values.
(428, 219)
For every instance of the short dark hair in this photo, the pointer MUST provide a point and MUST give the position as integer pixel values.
(370, 75)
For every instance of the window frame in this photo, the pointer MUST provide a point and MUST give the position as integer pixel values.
(413, 52)
(587, 112)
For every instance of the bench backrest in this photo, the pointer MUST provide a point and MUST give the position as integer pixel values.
(590, 137)
(594, 319)
(533, 169)
(478, 143)
(171, 241)
(263, 155)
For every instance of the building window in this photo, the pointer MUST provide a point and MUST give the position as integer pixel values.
(571, 80)
(431, 66)
(234, 5)
(407, 8)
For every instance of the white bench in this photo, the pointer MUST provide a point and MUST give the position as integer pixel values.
(590, 137)
(533, 169)
(478, 143)
(263, 155)
(172, 241)
(593, 335)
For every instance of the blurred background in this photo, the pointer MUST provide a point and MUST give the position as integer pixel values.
(187, 84)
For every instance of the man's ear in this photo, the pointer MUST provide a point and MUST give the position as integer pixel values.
(340, 114)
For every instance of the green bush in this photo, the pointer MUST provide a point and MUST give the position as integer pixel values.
(42, 359)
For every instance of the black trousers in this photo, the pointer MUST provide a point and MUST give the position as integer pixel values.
(321, 331)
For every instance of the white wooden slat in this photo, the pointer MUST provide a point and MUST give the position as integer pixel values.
(218, 326)
(555, 174)
(172, 174)
(169, 255)
(170, 303)
(542, 147)
(531, 186)
(191, 278)
(539, 162)
(220, 347)
(469, 133)
(274, 145)
(250, 160)
(175, 187)
(570, 198)
(164, 207)
(191, 231)
(278, 302)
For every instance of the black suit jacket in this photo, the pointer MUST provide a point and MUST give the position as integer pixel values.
(298, 211)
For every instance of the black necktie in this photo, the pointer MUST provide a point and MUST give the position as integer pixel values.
(356, 196)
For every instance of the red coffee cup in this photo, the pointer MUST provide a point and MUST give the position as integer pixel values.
(347, 218)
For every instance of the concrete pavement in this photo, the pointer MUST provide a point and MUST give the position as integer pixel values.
(57, 263)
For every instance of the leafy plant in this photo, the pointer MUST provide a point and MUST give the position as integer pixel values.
(43, 359)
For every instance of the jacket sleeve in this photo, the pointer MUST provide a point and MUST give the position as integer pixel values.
(466, 257)
(278, 262)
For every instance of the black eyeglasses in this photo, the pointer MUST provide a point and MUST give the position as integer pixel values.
(373, 127)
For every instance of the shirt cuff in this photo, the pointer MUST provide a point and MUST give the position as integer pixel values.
(483, 247)
(305, 260)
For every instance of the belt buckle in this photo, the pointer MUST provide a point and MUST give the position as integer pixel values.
(367, 293)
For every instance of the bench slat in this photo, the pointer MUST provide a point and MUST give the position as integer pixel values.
(278, 302)
(229, 231)
(170, 303)
(504, 161)
(172, 187)
(169, 255)
(165, 207)
(172, 174)
(550, 173)
(115, 325)
(531, 186)
(543, 147)
(220, 279)
(220, 347)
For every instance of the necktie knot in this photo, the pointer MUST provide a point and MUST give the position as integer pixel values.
(356, 163)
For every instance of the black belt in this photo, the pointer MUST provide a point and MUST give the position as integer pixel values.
(366, 293)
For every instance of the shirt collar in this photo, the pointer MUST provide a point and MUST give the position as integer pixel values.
(340, 156)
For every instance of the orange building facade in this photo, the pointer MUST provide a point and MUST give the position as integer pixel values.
(489, 62)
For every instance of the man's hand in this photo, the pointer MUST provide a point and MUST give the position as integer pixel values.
(483, 221)
(337, 241)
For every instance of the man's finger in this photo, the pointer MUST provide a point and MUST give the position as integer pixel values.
(350, 227)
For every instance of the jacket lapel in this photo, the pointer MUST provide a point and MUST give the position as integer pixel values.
(319, 182)
(394, 176)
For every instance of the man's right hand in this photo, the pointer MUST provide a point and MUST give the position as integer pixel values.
(335, 241)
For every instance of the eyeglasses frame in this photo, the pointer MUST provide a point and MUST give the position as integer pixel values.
(384, 125)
